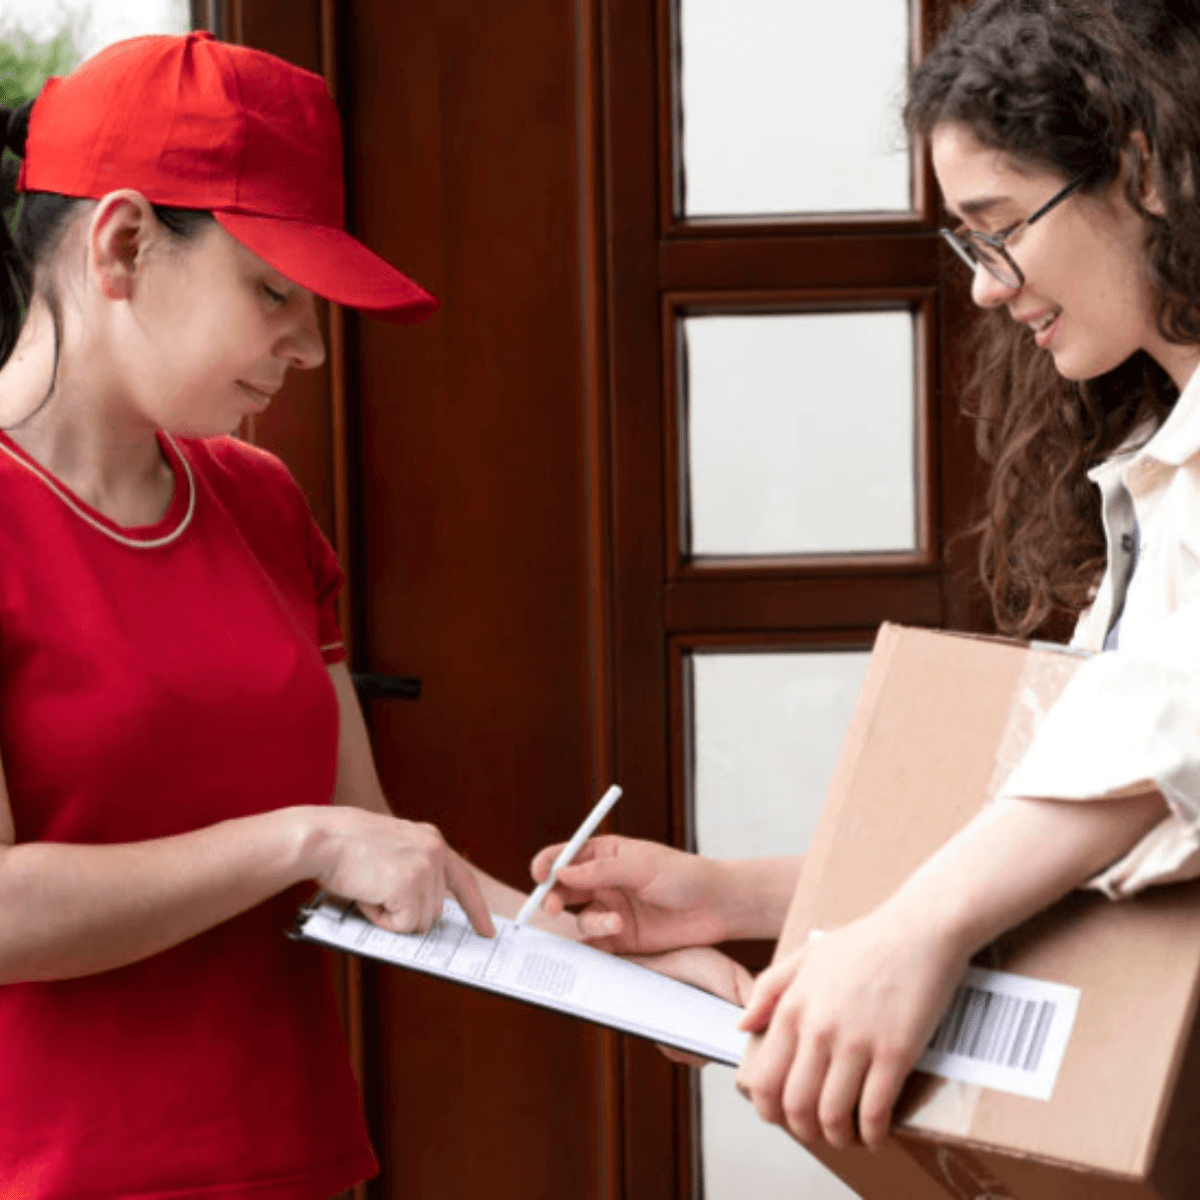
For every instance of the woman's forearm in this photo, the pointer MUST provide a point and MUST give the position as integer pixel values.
(753, 894)
(73, 910)
(1016, 858)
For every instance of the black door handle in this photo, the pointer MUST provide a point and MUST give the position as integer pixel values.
(406, 687)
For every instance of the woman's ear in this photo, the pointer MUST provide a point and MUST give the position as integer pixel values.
(1151, 198)
(119, 233)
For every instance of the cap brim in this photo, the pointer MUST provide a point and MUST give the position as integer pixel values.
(330, 263)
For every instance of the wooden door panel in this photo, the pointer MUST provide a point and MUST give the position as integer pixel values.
(472, 430)
(478, 1097)
(658, 263)
(473, 555)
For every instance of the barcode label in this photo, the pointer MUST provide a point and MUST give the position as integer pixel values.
(1004, 1031)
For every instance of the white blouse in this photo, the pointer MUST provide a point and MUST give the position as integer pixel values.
(1130, 717)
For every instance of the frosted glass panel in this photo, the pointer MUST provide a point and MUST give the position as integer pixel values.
(793, 106)
(767, 730)
(743, 1156)
(800, 433)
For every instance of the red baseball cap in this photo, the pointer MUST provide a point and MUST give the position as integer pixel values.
(191, 122)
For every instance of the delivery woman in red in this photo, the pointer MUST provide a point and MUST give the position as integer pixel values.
(1066, 140)
(180, 740)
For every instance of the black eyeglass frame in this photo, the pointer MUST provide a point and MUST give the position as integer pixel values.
(962, 243)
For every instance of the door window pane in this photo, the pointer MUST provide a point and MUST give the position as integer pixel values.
(742, 1155)
(793, 106)
(766, 733)
(767, 730)
(800, 433)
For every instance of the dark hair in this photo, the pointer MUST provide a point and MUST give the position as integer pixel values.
(31, 245)
(1065, 85)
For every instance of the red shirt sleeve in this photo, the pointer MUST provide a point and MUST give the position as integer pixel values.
(270, 509)
(328, 578)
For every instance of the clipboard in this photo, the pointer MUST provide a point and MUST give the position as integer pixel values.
(535, 967)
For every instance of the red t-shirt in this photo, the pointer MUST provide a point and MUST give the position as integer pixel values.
(154, 681)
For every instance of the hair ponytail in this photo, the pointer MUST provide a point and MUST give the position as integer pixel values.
(28, 248)
(16, 277)
(28, 257)
(16, 127)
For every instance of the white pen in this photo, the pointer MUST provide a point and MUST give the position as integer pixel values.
(568, 852)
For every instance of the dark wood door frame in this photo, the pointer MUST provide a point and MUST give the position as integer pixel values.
(656, 267)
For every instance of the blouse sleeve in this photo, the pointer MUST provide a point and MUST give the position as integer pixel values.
(1127, 720)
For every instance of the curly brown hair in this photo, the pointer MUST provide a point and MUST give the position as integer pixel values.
(1072, 87)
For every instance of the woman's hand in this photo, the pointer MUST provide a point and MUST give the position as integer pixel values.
(639, 897)
(398, 872)
(849, 1014)
(705, 968)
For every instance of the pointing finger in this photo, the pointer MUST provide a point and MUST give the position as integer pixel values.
(462, 882)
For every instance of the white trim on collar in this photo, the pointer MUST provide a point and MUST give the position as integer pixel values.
(74, 505)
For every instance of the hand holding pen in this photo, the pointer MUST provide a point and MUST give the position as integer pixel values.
(641, 897)
(590, 824)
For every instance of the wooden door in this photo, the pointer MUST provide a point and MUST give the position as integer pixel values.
(473, 458)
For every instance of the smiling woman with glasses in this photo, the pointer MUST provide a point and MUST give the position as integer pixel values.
(1087, 365)
(1088, 406)
(990, 250)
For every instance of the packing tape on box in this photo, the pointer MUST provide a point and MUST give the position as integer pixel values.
(947, 1106)
(962, 1174)
(1041, 682)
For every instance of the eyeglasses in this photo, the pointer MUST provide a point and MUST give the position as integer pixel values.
(987, 250)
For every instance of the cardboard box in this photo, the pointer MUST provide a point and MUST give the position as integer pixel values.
(940, 721)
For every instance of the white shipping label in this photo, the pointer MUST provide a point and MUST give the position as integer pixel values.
(1004, 1031)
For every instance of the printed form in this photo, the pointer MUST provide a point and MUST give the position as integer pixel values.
(544, 969)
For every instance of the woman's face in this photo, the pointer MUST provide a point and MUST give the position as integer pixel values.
(1086, 299)
(208, 333)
